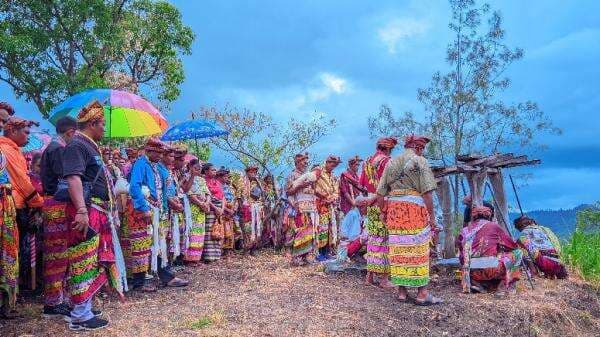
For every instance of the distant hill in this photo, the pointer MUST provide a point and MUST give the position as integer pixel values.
(561, 221)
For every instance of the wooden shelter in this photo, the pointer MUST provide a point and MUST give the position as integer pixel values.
(477, 170)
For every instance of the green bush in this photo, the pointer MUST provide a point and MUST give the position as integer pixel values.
(582, 251)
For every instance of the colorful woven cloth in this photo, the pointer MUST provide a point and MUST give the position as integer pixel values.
(196, 235)
(55, 246)
(135, 241)
(303, 238)
(212, 247)
(507, 271)
(9, 248)
(377, 243)
(409, 238)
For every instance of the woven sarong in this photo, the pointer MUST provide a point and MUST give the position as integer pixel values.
(135, 241)
(55, 246)
(507, 271)
(377, 243)
(303, 234)
(9, 250)
(212, 247)
(409, 239)
(196, 235)
(325, 222)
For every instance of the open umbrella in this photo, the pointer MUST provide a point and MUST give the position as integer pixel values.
(37, 141)
(194, 129)
(126, 114)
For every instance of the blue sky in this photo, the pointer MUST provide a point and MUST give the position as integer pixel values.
(346, 58)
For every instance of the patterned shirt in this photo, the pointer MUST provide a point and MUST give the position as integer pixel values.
(539, 239)
(327, 184)
(408, 171)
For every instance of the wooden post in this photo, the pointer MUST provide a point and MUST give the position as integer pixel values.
(445, 200)
(497, 182)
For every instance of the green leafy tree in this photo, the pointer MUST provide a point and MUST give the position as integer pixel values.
(50, 50)
(464, 109)
(255, 138)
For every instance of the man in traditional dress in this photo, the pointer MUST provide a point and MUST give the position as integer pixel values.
(171, 206)
(405, 197)
(484, 242)
(543, 247)
(55, 226)
(91, 252)
(146, 251)
(350, 187)
(180, 188)
(228, 219)
(252, 210)
(9, 234)
(327, 192)
(303, 217)
(377, 247)
(468, 202)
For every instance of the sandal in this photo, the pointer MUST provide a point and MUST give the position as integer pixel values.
(428, 301)
(177, 283)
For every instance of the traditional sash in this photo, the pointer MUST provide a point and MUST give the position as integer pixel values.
(256, 210)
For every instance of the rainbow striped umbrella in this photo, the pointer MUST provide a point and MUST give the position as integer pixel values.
(127, 115)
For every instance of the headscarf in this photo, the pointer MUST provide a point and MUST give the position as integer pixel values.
(300, 157)
(15, 123)
(483, 211)
(413, 141)
(7, 107)
(180, 151)
(354, 160)
(154, 144)
(387, 142)
(523, 221)
(251, 168)
(333, 159)
(91, 113)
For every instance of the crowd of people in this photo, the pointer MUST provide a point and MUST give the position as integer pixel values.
(130, 219)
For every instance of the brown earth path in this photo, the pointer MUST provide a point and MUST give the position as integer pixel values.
(263, 296)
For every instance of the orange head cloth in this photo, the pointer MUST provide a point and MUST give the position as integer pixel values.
(413, 141)
(16, 123)
(354, 160)
(486, 212)
(387, 142)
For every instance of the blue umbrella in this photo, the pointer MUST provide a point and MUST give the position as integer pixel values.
(194, 129)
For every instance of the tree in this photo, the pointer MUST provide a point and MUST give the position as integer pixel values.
(464, 109)
(255, 138)
(50, 50)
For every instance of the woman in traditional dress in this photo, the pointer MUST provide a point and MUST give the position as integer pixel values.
(198, 195)
(214, 233)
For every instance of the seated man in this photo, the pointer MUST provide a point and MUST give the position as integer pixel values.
(489, 257)
(543, 247)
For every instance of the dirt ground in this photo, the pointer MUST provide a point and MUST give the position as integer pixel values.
(263, 296)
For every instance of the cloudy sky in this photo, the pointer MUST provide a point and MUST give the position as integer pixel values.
(346, 58)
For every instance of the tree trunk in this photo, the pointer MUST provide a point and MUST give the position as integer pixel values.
(445, 200)
(497, 182)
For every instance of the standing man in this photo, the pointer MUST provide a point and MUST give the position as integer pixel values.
(327, 192)
(91, 254)
(55, 226)
(303, 217)
(377, 242)
(350, 185)
(252, 210)
(405, 197)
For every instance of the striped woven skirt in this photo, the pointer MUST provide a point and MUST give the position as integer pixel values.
(212, 247)
(409, 239)
(55, 246)
(377, 243)
(9, 251)
(507, 272)
(324, 225)
(303, 237)
(196, 237)
(135, 241)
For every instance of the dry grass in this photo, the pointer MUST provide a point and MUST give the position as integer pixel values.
(263, 296)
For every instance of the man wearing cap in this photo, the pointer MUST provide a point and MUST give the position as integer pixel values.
(484, 240)
(303, 218)
(55, 226)
(9, 235)
(328, 194)
(377, 248)
(252, 210)
(543, 247)
(405, 197)
(91, 254)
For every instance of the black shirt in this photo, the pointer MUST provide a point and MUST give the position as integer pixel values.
(51, 166)
(81, 157)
